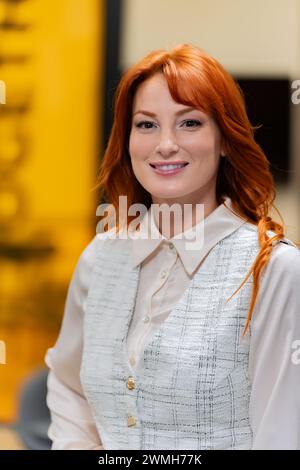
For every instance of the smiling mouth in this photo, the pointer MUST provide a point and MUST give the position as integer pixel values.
(168, 167)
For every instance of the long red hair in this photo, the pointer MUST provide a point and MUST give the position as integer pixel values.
(197, 79)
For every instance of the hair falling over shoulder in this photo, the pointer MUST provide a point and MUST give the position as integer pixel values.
(196, 79)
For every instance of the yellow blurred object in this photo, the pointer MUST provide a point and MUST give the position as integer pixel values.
(16, 44)
(8, 204)
(10, 151)
(50, 131)
(19, 13)
(9, 440)
(20, 83)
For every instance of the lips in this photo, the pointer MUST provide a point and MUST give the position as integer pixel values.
(167, 169)
(168, 166)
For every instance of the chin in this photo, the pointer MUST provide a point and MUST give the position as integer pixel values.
(167, 195)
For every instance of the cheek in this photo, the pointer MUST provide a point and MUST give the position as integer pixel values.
(139, 148)
(200, 147)
(204, 145)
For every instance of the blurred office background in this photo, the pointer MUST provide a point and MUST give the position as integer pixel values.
(61, 61)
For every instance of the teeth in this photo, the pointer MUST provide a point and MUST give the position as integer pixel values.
(170, 167)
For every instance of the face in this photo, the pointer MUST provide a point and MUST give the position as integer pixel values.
(163, 133)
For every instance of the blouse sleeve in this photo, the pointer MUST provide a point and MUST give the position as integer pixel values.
(72, 424)
(274, 361)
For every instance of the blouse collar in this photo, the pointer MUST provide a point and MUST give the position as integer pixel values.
(220, 223)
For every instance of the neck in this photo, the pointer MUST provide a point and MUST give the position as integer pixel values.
(186, 215)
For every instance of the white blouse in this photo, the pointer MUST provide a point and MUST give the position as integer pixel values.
(166, 270)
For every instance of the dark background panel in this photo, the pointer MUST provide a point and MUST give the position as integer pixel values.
(268, 104)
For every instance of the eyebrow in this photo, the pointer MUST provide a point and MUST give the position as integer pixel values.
(181, 111)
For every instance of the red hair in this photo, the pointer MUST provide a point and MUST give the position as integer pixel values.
(196, 79)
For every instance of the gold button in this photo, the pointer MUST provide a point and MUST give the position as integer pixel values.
(131, 421)
(130, 383)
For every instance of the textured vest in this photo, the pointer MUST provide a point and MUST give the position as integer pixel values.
(192, 387)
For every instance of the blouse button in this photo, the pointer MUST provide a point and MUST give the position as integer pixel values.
(146, 319)
(130, 383)
(163, 273)
(171, 246)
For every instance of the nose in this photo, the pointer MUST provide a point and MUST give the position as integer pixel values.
(167, 146)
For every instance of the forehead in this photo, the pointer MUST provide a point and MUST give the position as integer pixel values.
(153, 94)
(150, 88)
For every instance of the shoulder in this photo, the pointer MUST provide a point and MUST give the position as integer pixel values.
(280, 281)
(278, 296)
(284, 264)
(87, 255)
(105, 249)
(100, 241)
(283, 249)
(243, 239)
(84, 267)
(285, 259)
(96, 253)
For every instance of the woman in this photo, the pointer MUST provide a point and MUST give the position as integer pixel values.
(163, 346)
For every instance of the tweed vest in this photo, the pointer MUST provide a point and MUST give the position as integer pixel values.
(192, 387)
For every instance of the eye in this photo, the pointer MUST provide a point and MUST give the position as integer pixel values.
(142, 123)
(149, 124)
(193, 121)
